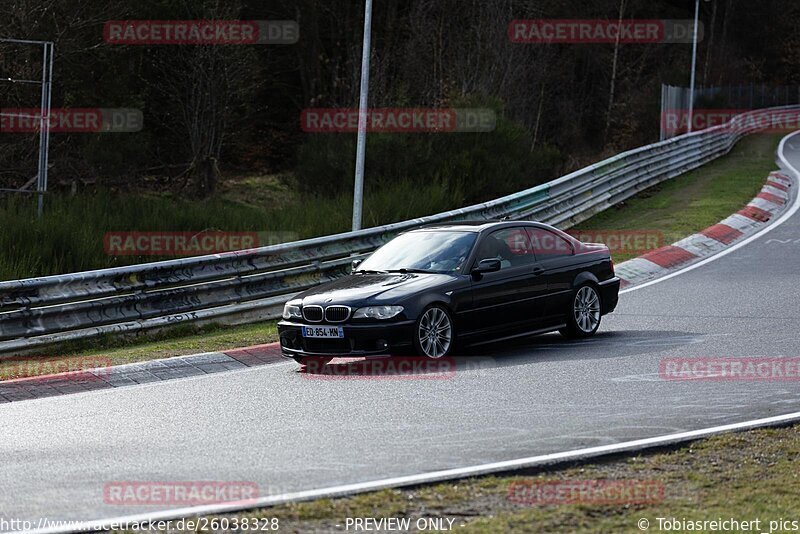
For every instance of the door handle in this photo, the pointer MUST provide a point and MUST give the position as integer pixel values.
(537, 271)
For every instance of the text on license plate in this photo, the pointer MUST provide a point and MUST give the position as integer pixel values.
(323, 331)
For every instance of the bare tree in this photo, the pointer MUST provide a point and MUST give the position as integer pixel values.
(614, 70)
(203, 85)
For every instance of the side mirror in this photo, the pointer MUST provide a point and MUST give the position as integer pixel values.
(487, 266)
(355, 264)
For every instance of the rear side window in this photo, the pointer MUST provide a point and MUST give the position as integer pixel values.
(547, 244)
(511, 246)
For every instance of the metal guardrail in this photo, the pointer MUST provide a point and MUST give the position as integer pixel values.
(255, 283)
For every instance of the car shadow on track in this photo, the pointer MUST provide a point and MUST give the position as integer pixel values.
(522, 351)
(603, 345)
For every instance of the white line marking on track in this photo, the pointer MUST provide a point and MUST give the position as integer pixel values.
(434, 476)
(786, 216)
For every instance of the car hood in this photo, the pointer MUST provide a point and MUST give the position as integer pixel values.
(373, 288)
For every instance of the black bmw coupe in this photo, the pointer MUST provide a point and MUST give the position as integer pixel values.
(430, 290)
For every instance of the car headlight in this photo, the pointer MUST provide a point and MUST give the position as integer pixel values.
(377, 312)
(291, 310)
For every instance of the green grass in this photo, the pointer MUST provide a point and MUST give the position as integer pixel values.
(746, 476)
(696, 200)
(69, 238)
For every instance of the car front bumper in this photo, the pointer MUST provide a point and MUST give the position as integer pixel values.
(359, 339)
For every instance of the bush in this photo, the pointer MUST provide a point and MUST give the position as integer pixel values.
(481, 165)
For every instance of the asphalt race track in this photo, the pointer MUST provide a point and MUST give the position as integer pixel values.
(287, 432)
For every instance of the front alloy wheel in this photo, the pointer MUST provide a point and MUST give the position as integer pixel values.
(434, 333)
(584, 316)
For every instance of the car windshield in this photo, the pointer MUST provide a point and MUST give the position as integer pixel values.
(426, 251)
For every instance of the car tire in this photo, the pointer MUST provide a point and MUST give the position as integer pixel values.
(313, 364)
(583, 316)
(434, 332)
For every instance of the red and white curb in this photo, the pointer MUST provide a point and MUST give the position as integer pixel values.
(771, 201)
(138, 373)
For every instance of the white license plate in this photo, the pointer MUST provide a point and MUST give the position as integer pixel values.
(323, 331)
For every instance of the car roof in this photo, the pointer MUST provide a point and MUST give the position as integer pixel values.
(474, 226)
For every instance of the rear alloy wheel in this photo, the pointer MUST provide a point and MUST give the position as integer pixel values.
(433, 335)
(584, 314)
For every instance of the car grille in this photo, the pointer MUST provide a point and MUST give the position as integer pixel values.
(337, 314)
(312, 314)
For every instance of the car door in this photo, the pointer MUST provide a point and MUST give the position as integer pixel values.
(555, 260)
(510, 299)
